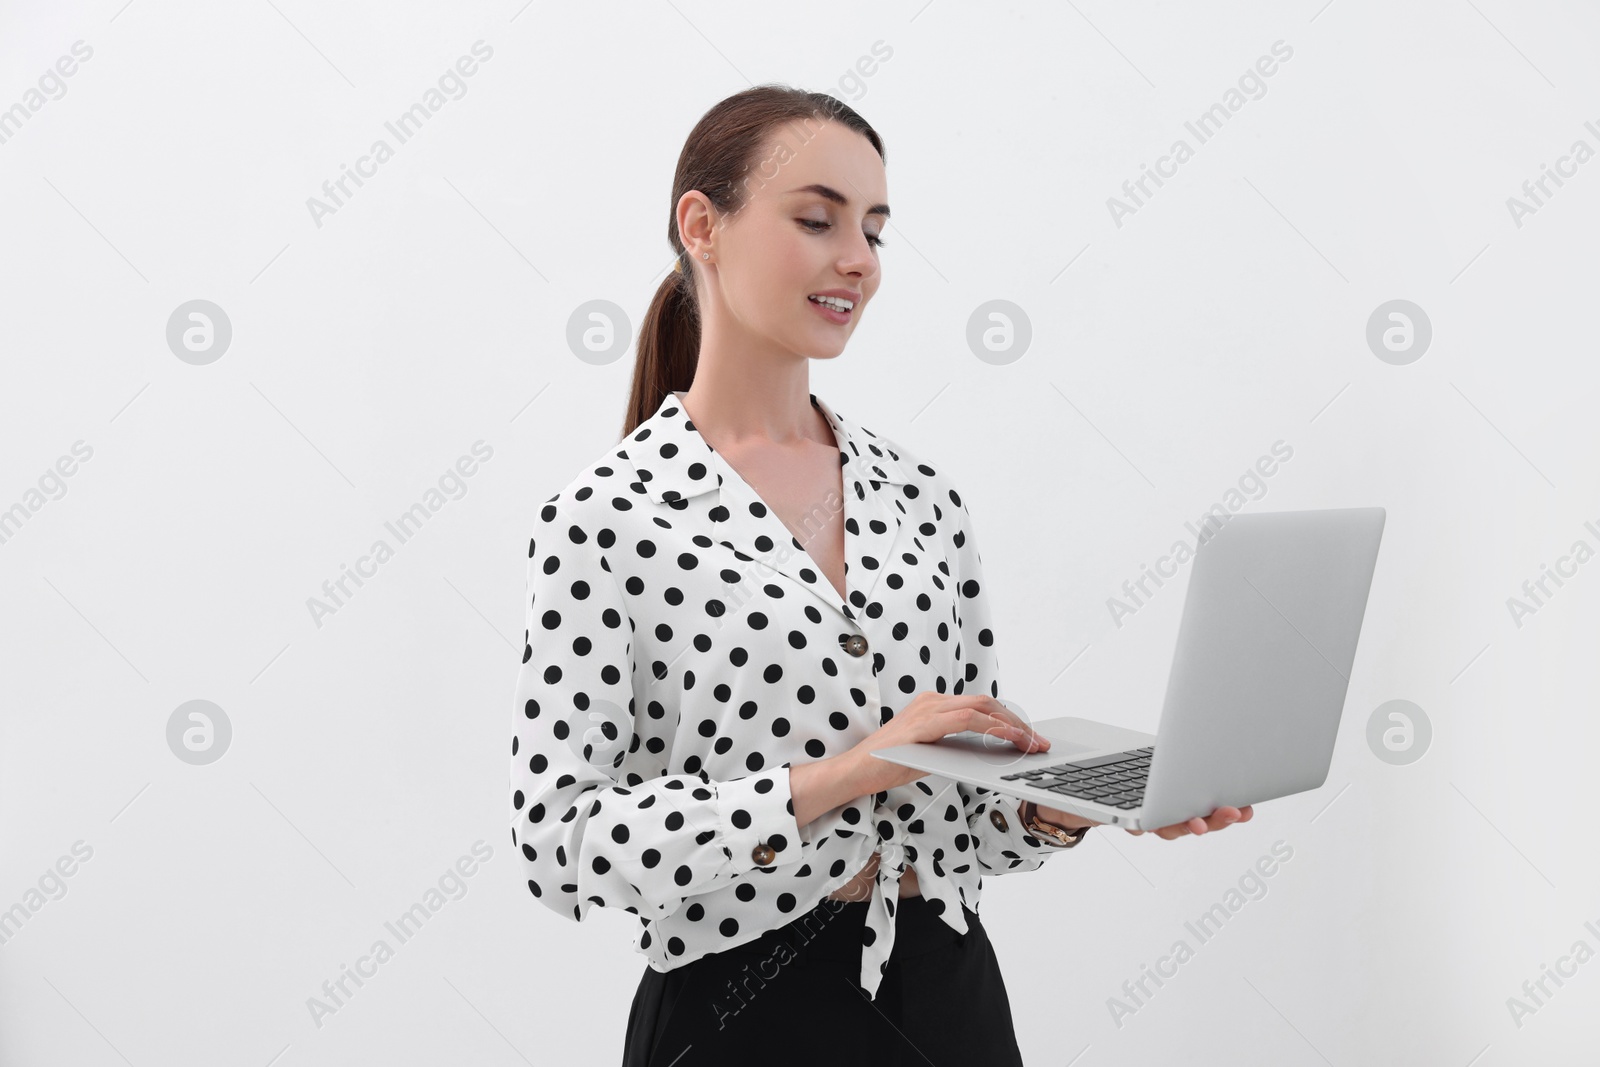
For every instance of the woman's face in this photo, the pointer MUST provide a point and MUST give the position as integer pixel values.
(817, 205)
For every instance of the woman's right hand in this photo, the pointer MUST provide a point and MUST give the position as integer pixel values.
(929, 717)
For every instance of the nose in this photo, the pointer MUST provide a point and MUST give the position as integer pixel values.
(858, 259)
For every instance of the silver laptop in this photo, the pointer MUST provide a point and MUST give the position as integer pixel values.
(1254, 693)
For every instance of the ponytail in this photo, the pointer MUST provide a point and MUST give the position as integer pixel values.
(669, 346)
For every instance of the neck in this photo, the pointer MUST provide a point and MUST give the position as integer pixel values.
(774, 410)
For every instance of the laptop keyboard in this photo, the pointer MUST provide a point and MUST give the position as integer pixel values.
(1116, 780)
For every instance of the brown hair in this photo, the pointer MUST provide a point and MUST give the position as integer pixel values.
(716, 160)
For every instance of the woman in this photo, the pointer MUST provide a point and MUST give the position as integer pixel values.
(730, 611)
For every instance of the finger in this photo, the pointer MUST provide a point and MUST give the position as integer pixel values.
(997, 710)
(1015, 732)
(1224, 817)
(1024, 738)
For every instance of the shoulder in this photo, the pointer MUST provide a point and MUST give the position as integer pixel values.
(926, 477)
(597, 496)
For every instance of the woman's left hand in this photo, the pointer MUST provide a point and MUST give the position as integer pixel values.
(1220, 819)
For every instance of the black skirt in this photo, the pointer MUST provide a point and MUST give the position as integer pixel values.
(793, 996)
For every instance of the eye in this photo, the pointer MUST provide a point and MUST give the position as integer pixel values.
(872, 239)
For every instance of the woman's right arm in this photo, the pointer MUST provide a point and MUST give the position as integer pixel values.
(584, 838)
(822, 785)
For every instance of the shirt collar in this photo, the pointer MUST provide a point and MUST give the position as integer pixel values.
(674, 461)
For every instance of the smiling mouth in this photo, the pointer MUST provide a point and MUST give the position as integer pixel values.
(831, 312)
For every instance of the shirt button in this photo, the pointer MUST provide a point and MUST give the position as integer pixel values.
(998, 819)
(763, 855)
(856, 645)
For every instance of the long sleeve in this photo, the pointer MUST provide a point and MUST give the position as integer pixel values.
(587, 832)
(1003, 845)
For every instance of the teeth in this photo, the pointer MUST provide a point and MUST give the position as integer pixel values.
(834, 302)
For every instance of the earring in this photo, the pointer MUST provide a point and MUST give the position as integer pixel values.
(705, 255)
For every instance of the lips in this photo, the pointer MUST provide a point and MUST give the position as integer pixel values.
(831, 314)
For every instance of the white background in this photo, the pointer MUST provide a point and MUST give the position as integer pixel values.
(430, 311)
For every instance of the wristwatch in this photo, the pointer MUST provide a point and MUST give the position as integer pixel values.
(1028, 812)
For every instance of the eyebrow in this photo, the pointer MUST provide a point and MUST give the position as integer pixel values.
(827, 192)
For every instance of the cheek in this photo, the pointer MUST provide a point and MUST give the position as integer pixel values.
(772, 290)
(772, 259)
(794, 263)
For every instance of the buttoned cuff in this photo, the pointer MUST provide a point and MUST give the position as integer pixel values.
(756, 820)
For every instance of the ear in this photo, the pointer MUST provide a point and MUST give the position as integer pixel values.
(697, 218)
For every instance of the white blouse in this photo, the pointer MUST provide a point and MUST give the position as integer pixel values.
(683, 651)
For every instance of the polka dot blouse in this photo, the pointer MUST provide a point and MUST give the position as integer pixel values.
(683, 652)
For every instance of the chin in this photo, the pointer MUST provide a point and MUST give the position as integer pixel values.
(824, 352)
